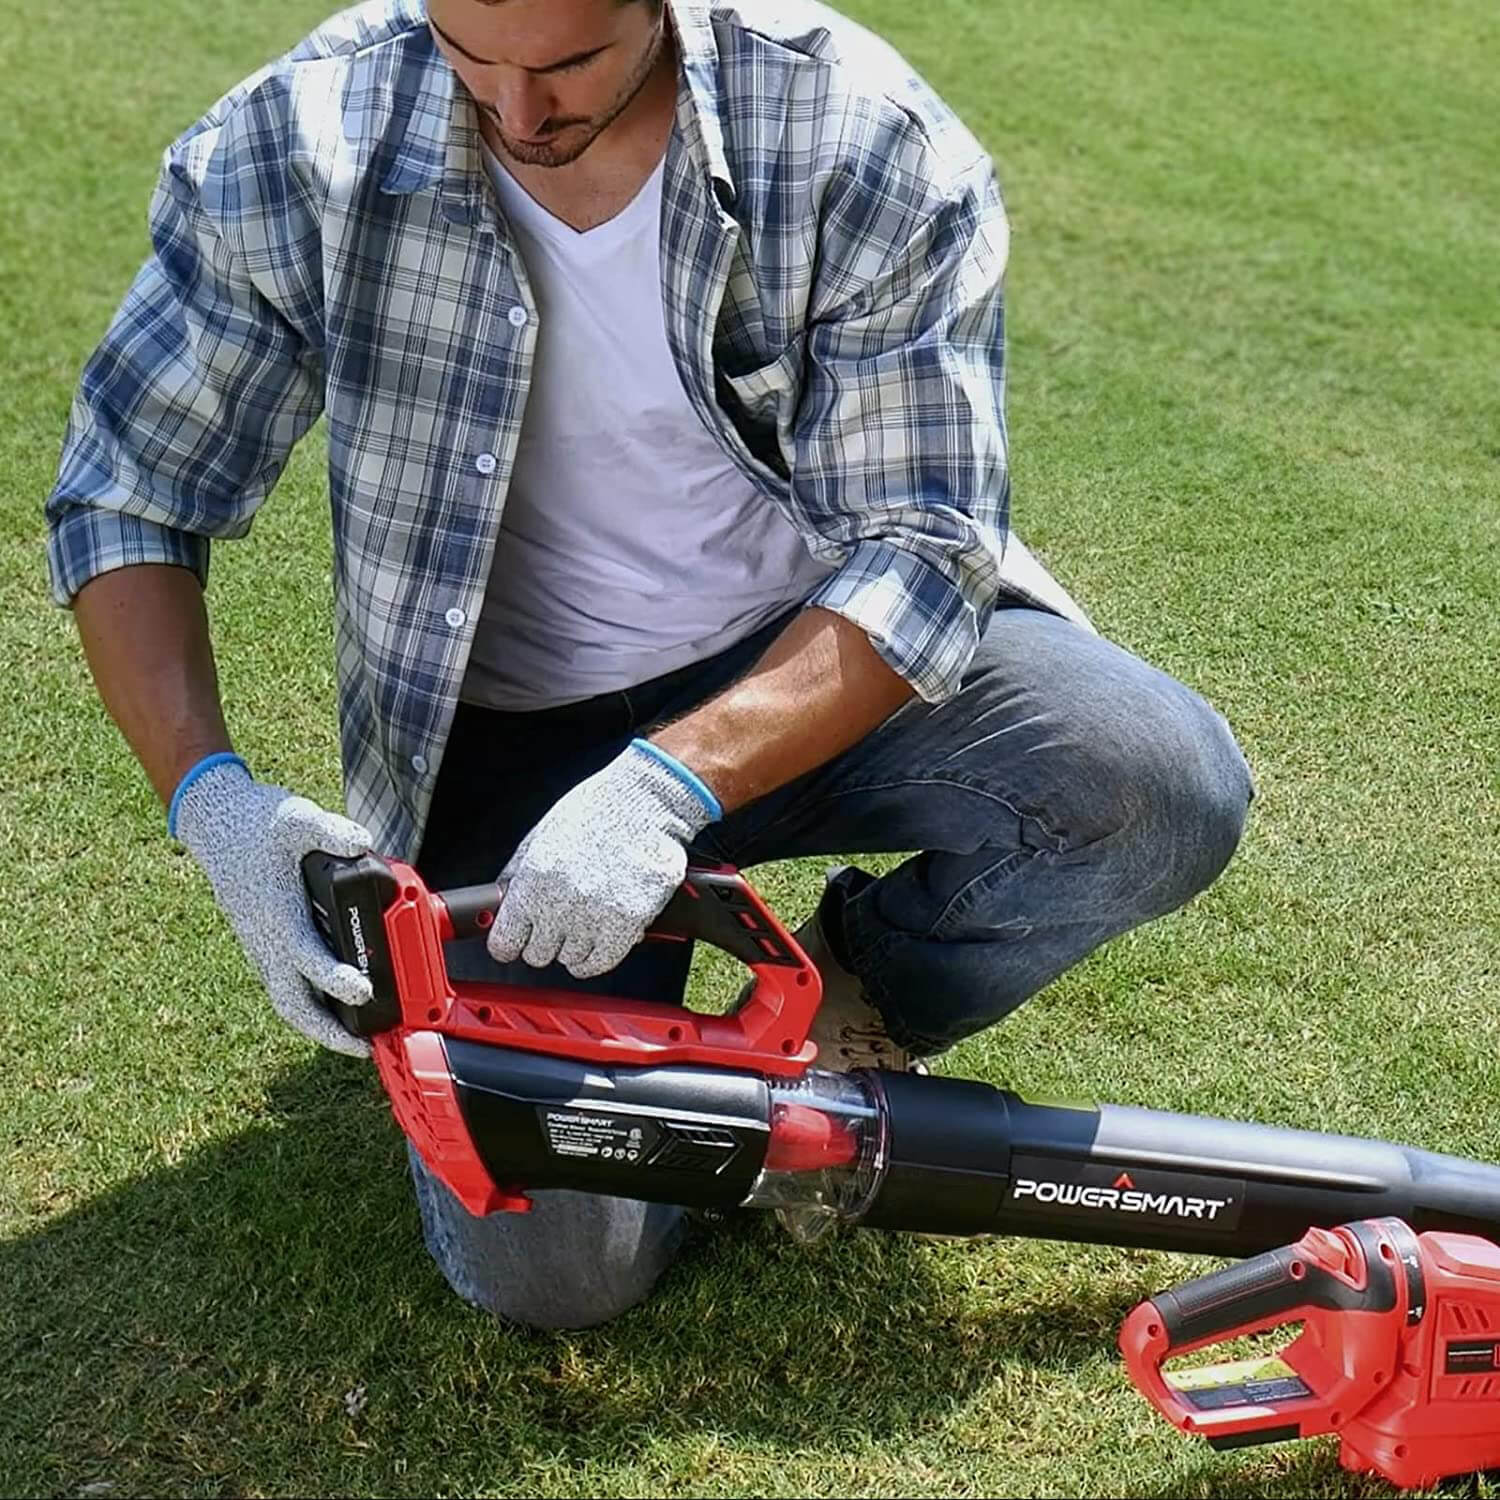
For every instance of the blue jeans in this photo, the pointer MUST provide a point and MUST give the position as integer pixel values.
(1068, 793)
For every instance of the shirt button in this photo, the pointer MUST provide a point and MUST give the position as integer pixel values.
(485, 463)
(419, 764)
(455, 617)
(517, 316)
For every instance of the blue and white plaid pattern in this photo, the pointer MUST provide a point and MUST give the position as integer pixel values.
(325, 240)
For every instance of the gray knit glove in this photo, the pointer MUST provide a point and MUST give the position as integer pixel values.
(249, 838)
(589, 879)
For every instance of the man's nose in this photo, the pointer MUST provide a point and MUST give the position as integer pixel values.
(523, 104)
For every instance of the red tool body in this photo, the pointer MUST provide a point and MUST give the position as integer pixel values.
(1398, 1354)
(419, 1009)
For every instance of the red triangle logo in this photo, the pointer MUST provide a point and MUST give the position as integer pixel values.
(1123, 1181)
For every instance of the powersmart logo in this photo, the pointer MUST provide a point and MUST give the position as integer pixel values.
(357, 932)
(1166, 1205)
(1086, 1191)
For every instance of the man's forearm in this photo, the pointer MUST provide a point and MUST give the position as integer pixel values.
(145, 633)
(820, 688)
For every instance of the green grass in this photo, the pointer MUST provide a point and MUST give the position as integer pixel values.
(1256, 426)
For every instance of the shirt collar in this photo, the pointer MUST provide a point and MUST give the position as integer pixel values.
(441, 139)
(700, 87)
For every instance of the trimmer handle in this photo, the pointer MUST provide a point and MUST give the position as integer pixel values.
(1352, 1286)
(1263, 1292)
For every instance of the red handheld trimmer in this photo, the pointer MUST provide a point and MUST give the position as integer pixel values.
(1399, 1352)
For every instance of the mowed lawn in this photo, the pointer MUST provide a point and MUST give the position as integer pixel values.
(1255, 402)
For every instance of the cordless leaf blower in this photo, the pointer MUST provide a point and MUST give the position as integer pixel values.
(504, 1090)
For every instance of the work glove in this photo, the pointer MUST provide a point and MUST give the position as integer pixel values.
(249, 838)
(592, 876)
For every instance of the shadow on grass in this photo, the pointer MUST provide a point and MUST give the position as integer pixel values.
(261, 1317)
(1310, 1470)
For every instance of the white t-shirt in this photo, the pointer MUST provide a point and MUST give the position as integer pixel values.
(631, 545)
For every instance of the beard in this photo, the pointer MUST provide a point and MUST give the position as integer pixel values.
(566, 140)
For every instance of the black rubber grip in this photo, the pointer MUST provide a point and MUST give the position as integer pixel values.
(471, 908)
(713, 906)
(1280, 1282)
(1228, 1299)
(348, 899)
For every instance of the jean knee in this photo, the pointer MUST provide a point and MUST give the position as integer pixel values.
(1201, 819)
(584, 1297)
(575, 1261)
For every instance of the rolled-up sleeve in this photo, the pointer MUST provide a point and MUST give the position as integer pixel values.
(186, 412)
(899, 440)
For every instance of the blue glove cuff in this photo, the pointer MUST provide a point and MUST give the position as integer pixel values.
(218, 758)
(685, 776)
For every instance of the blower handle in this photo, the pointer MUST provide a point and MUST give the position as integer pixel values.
(472, 908)
(379, 916)
(714, 904)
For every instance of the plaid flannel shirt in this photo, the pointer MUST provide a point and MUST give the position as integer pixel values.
(325, 241)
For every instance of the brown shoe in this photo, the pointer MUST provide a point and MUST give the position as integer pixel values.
(849, 1031)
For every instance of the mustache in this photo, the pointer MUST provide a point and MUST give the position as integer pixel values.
(552, 127)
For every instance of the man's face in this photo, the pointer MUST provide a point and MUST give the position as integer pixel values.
(550, 75)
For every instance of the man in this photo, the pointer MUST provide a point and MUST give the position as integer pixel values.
(661, 349)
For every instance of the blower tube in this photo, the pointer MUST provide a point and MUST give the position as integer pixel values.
(944, 1156)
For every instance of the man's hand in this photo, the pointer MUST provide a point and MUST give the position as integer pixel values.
(593, 875)
(249, 838)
